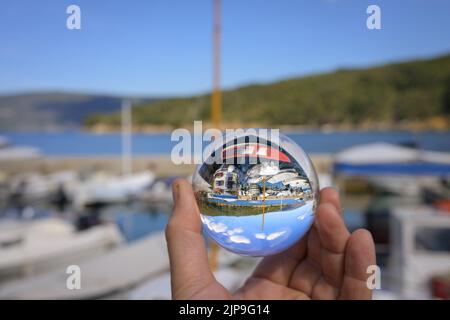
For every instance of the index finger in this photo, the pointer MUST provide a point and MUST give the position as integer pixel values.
(331, 195)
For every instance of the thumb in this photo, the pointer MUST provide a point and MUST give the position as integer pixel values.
(187, 250)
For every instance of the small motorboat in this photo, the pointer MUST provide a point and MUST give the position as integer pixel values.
(32, 247)
(111, 189)
(393, 168)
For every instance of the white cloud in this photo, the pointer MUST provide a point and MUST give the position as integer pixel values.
(275, 235)
(239, 239)
(238, 230)
(271, 236)
(234, 231)
(216, 227)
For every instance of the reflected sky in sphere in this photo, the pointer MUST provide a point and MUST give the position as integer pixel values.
(245, 236)
(258, 195)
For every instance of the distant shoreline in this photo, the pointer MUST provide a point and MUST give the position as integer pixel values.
(440, 126)
(288, 130)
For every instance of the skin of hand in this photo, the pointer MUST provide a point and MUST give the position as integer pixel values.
(327, 263)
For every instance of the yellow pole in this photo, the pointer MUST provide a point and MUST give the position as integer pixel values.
(216, 98)
(264, 202)
(216, 105)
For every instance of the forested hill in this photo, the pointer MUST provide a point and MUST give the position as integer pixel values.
(415, 91)
(49, 111)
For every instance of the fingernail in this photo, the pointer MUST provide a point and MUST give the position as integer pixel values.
(335, 187)
(175, 191)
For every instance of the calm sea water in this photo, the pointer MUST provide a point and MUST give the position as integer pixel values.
(85, 144)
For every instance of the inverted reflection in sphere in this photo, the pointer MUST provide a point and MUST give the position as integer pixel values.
(256, 197)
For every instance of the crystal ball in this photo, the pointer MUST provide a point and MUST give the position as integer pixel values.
(256, 192)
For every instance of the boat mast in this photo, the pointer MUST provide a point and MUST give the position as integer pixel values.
(127, 165)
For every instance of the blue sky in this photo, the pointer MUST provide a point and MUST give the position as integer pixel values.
(164, 47)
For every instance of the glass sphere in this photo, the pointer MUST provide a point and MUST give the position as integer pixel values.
(256, 193)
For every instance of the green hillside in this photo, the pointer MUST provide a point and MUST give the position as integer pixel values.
(410, 91)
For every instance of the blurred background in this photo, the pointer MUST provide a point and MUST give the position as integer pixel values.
(86, 117)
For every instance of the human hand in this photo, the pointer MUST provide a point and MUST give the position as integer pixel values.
(328, 263)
